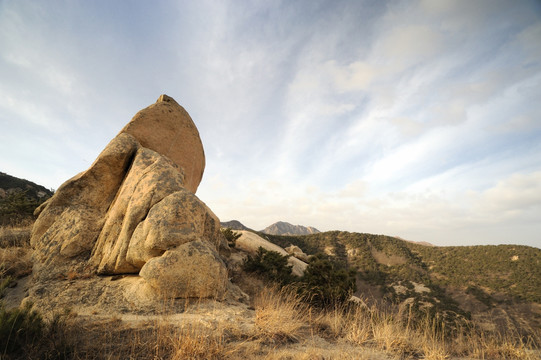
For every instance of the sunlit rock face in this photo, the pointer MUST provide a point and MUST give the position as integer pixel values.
(134, 211)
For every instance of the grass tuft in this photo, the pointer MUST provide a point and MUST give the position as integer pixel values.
(15, 235)
(280, 315)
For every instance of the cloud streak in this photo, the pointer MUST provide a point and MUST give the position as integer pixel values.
(416, 119)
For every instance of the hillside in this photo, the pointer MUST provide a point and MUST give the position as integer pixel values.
(19, 198)
(284, 228)
(11, 184)
(456, 282)
(513, 270)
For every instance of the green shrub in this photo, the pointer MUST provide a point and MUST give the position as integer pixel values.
(271, 265)
(481, 296)
(25, 335)
(5, 280)
(326, 283)
(20, 328)
(16, 207)
(231, 236)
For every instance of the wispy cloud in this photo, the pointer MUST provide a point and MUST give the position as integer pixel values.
(416, 119)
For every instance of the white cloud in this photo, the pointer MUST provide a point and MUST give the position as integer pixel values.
(355, 76)
(397, 163)
(406, 46)
(529, 40)
(404, 118)
(450, 113)
(431, 216)
(406, 126)
(517, 193)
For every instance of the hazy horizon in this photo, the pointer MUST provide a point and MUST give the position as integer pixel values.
(416, 119)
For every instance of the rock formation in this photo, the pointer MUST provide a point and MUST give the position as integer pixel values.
(296, 252)
(134, 211)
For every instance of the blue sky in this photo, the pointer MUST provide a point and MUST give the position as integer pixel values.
(418, 119)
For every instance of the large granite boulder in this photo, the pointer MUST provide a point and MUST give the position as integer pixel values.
(134, 211)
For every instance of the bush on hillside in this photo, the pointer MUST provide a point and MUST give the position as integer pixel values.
(231, 236)
(271, 265)
(326, 283)
(16, 207)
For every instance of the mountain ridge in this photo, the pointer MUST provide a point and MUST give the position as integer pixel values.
(278, 228)
(10, 184)
(234, 225)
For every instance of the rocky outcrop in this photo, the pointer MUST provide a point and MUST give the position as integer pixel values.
(284, 228)
(297, 252)
(134, 211)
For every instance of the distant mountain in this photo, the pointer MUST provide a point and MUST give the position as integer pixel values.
(415, 242)
(284, 228)
(234, 225)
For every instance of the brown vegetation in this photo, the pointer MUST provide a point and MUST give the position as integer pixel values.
(15, 261)
(280, 327)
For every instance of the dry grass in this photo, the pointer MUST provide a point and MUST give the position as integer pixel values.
(192, 343)
(283, 328)
(15, 256)
(432, 343)
(330, 324)
(15, 253)
(482, 345)
(393, 333)
(114, 339)
(16, 235)
(280, 315)
(15, 262)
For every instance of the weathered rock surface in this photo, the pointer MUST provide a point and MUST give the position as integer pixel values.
(169, 225)
(69, 222)
(193, 269)
(134, 211)
(151, 178)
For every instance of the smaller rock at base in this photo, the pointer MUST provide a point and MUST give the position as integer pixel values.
(192, 270)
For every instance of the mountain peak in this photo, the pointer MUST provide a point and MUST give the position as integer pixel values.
(234, 225)
(285, 228)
